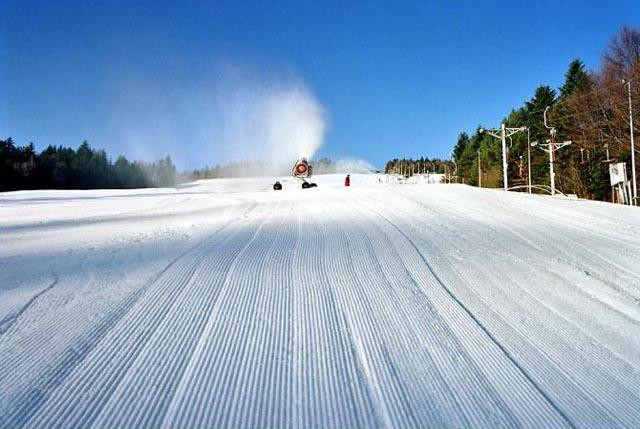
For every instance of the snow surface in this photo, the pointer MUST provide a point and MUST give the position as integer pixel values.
(225, 304)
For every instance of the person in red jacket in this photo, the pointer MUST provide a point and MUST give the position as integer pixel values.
(347, 180)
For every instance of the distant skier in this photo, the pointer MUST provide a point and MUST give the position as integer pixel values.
(347, 180)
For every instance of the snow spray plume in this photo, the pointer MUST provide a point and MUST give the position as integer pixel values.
(228, 113)
(343, 165)
(350, 165)
(277, 123)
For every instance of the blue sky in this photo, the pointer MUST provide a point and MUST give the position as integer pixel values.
(395, 78)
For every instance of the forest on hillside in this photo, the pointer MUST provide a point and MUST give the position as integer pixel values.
(590, 109)
(58, 167)
(410, 166)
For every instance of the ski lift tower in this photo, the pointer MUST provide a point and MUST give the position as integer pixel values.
(502, 134)
(550, 147)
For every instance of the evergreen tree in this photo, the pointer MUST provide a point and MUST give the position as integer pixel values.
(463, 141)
(575, 79)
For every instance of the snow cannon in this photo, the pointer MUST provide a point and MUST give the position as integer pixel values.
(302, 170)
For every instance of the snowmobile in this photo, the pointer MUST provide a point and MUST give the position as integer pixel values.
(302, 170)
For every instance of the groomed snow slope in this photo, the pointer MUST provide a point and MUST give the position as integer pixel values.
(225, 304)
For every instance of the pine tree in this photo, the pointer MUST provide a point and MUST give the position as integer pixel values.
(575, 79)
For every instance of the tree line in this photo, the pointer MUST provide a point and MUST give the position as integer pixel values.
(590, 109)
(57, 167)
(409, 166)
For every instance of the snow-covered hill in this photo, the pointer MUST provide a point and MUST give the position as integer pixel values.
(226, 304)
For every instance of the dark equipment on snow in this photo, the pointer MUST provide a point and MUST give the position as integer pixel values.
(277, 186)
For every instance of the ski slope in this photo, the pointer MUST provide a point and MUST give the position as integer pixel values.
(224, 304)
